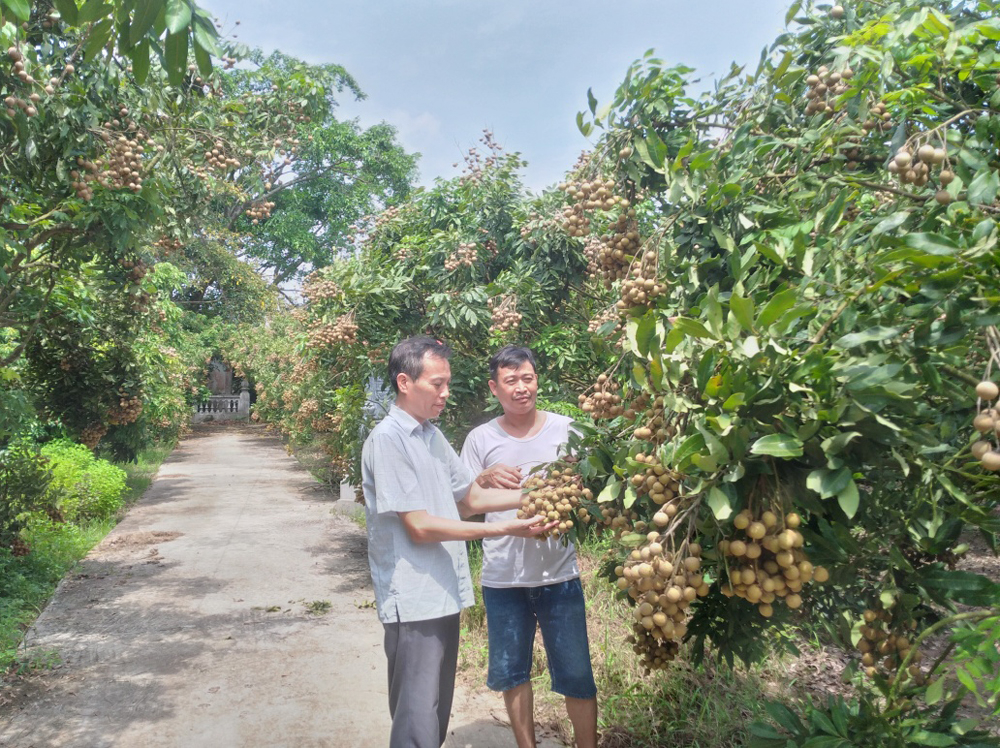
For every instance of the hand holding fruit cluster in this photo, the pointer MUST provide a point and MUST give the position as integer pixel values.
(555, 496)
(769, 564)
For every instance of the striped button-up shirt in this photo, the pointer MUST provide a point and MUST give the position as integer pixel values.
(408, 466)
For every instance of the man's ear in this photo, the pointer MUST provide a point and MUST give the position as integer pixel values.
(403, 382)
(493, 387)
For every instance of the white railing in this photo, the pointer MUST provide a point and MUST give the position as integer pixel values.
(224, 407)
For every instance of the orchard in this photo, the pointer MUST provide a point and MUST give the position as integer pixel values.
(771, 308)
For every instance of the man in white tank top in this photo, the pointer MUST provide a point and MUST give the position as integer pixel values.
(529, 582)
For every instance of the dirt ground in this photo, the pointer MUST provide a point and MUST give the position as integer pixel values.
(231, 607)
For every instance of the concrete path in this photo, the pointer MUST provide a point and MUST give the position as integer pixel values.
(231, 607)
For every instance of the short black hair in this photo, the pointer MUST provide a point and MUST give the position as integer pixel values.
(407, 357)
(511, 357)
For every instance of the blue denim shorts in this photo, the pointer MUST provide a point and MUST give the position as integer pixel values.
(512, 614)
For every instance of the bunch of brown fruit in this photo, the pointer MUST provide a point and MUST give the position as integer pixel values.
(216, 158)
(586, 196)
(641, 287)
(603, 401)
(128, 410)
(608, 315)
(913, 164)
(824, 86)
(987, 423)
(167, 245)
(259, 211)
(317, 288)
(652, 417)
(465, 254)
(504, 314)
(343, 331)
(618, 248)
(613, 517)
(661, 485)
(885, 643)
(554, 495)
(93, 434)
(663, 582)
(124, 156)
(768, 563)
(878, 118)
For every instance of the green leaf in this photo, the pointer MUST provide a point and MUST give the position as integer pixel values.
(139, 55)
(204, 60)
(100, 33)
(828, 483)
(641, 332)
(144, 18)
(68, 10)
(933, 244)
(630, 496)
(849, 499)
(178, 15)
(780, 303)
(743, 310)
(93, 10)
(719, 503)
(20, 8)
(836, 444)
(934, 692)
(983, 189)
(205, 36)
(176, 57)
(925, 737)
(871, 335)
(777, 445)
(693, 328)
(609, 492)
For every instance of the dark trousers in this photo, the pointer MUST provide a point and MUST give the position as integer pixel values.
(422, 658)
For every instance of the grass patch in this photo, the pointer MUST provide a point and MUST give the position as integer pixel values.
(682, 707)
(28, 582)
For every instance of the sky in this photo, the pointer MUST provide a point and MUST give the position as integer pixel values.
(442, 71)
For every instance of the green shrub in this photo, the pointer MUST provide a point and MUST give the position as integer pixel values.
(24, 492)
(85, 487)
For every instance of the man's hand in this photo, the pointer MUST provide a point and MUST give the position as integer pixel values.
(500, 476)
(523, 528)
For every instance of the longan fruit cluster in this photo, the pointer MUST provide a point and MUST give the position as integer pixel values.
(318, 289)
(554, 496)
(884, 644)
(88, 171)
(914, 167)
(663, 583)
(464, 254)
(124, 156)
(587, 196)
(128, 410)
(641, 287)
(306, 410)
(259, 211)
(987, 423)
(137, 269)
(618, 247)
(504, 314)
(661, 485)
(824, 87)
(878, 118)
(30, 103)
(608, 315)
(217, 158)
(92, 435)
(769, 564)
(168, 245)
(604, 401)
(343, 331)
(652, 416)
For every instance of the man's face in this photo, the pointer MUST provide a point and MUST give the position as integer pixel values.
(425, 397)
(516, 389)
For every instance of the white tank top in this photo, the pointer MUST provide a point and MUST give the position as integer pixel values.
(521, 562)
